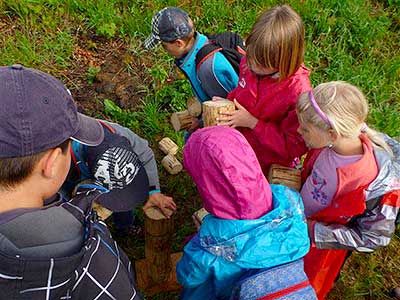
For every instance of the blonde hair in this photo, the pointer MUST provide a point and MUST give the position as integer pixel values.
(276, 41)
(346, 108)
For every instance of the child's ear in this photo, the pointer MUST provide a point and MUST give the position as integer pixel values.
(49, 161)
(179, 43)
(333, 135)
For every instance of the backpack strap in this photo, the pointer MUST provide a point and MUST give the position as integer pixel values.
(205, 52)
(106, 125)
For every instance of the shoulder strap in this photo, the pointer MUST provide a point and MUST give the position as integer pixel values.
(205, 52)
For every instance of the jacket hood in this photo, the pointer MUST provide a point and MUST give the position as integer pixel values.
(278, 237)
(388, 178)
(227, 174)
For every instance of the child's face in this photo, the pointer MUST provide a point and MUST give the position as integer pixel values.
(313, 136)
(176, 48)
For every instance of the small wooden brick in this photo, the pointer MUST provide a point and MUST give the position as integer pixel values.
(289, 177)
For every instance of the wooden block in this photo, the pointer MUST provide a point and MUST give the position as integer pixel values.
(194, 107)
(212, 109)
(200, 214)
(181, 120)
(157, 244)
(146, 284)
(167, 146)
(171, 164)
(285, 176)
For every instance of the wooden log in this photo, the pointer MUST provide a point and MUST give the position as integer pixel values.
(200, 214)
(167, 146)
(181, 120)
(158, 234)
(146, 284)
(212, 110)
(171, 164)
(285, 176)
(193, 107)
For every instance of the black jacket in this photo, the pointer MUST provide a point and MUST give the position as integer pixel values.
(100, 269)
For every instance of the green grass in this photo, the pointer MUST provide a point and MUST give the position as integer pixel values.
(356, 41)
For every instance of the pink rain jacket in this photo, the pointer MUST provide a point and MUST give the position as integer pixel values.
(227, 173)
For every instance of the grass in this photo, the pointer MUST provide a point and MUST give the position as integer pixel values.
(354, 40)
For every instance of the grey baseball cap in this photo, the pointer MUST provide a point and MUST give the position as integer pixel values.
(38, 113)
(167, 25)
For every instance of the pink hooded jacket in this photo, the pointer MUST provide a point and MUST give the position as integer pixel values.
(227, 173)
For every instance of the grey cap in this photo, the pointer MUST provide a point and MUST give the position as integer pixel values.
(38, 113)
(167, 25)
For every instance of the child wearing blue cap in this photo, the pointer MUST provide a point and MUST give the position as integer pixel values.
(51, 248)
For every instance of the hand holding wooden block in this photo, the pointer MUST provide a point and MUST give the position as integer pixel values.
(212, 110)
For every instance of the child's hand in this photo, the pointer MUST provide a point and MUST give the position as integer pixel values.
(216, 98)
(164, 203)
(238, 118)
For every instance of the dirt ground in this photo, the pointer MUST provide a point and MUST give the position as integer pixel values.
(113, 80)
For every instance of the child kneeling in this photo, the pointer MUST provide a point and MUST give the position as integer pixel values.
(251, 225)
(351, 187)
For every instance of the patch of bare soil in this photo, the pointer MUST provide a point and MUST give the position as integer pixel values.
(122, 77)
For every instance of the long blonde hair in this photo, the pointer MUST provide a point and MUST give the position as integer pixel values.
(276, 41)
(345, 107)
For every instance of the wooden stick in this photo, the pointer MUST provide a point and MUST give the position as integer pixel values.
(171, 164)
(167, 146)
(193, 107)
(181, 120)
(212, 110)
(158, 234)
(285, 176)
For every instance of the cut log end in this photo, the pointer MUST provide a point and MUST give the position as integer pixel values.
(212, 110)
(194, 107)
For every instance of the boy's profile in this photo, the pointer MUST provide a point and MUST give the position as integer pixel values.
(51, 248)
(174, 29)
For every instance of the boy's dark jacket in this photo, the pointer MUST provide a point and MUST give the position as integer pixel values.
(99, 270)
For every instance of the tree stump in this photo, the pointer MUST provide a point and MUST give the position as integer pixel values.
(212, 110)
(194, 107)
(285, 176)
(158, 235)
(181, 120)
(167, 146)
(171, 164)
(156, 273)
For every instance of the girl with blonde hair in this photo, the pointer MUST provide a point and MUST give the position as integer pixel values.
(272, 76)
(351, 180)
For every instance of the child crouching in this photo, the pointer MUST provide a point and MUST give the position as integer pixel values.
(251, 224)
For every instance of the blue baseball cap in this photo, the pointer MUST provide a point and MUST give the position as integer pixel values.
(37, 113)
(167, 25)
